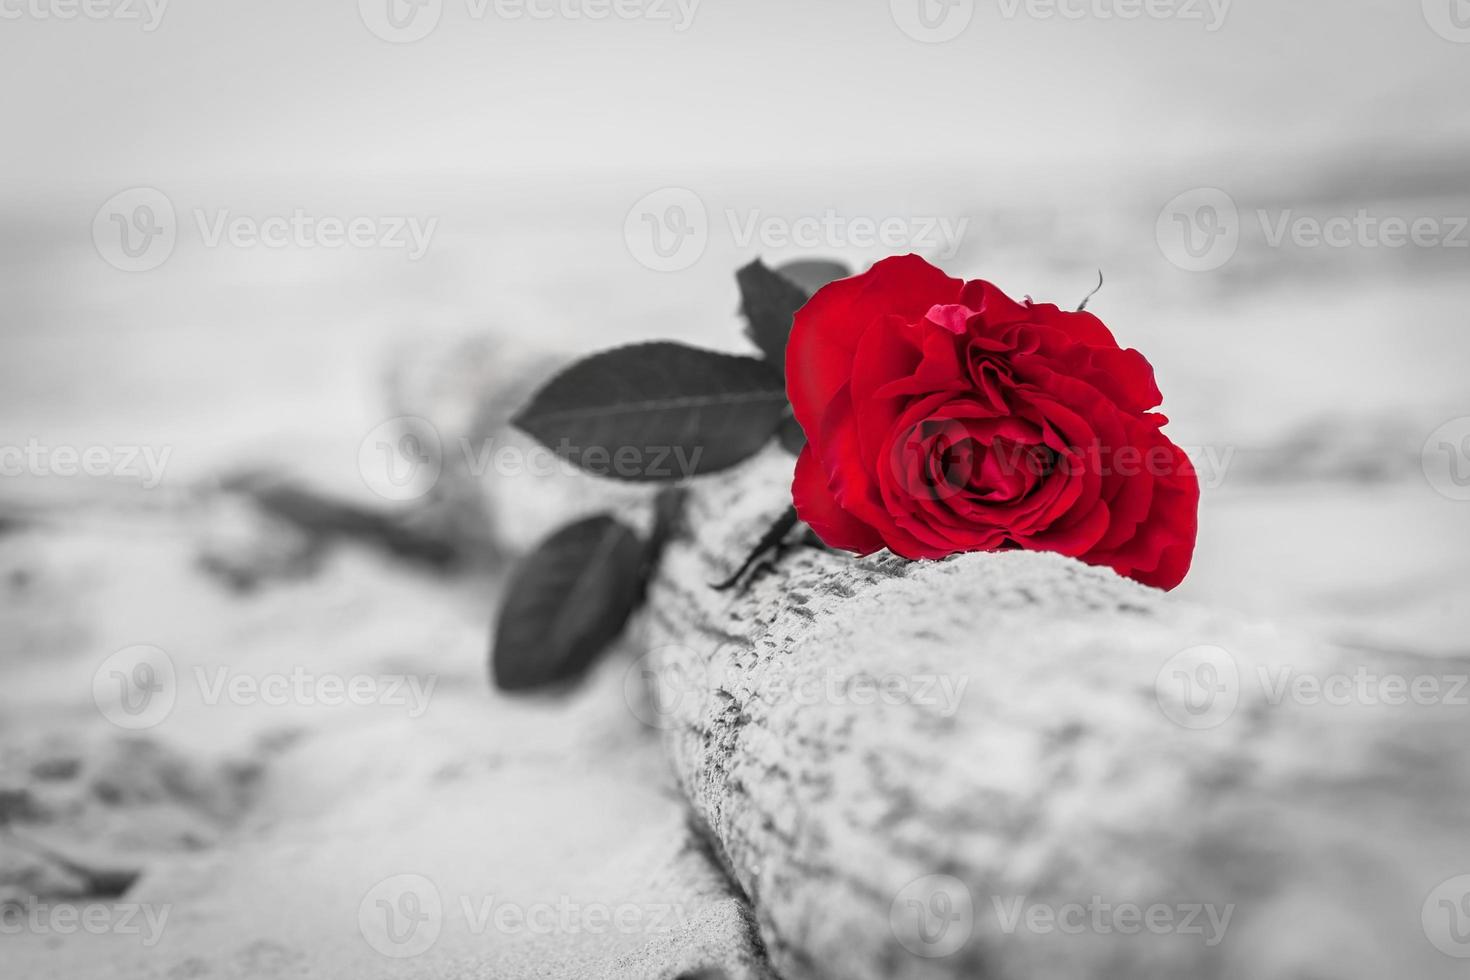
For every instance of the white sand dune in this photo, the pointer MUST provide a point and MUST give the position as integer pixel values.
(262, 831)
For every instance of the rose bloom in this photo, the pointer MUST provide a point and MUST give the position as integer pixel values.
(942, 416)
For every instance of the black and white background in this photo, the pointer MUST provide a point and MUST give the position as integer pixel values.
(241, 244)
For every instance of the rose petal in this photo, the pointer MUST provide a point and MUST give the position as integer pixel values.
(826, 331)
(816, 505)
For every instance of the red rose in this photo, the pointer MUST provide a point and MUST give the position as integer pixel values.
(942, 416)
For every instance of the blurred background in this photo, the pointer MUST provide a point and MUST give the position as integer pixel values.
(228, 233)
(1040, 143)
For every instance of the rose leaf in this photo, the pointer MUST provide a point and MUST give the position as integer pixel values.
(657, 412)
(812, 274)
(565, 602)
(769, 301)
(791, 436)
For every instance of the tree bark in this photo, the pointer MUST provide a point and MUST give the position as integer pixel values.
(1107, 782)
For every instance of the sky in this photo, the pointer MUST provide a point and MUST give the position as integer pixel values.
(280, 89)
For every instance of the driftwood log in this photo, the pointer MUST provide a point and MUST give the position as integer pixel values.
(1015, 766)
(1018, 766)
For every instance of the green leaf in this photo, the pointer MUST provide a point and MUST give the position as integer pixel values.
(657, 412)
(565, 602)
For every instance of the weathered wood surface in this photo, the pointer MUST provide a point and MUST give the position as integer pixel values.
(1053, 774)
(1056, 776)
